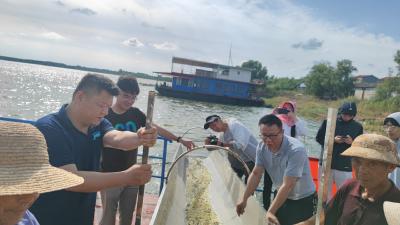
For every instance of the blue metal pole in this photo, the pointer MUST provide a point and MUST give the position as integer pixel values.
(163, 164)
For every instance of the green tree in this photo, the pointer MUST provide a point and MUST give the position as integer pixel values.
(344, 69)
(258, 71)
(326, 81)
(388, 88)
(397, 60)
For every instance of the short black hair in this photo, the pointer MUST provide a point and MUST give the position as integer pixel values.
(269, 120)
(128, 84)
(97, 83)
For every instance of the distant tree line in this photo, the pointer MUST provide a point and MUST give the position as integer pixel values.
(325, 81)
(84, 68)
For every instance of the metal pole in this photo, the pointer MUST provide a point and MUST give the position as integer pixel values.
(164, 161)
(326, 164)
(149, 120)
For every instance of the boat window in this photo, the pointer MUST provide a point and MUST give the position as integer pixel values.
(225, 72)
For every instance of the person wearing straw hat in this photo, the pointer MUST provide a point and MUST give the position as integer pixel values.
(75, 137)
(360, 200)
(25, 172)
(391, 124)
(392, 210)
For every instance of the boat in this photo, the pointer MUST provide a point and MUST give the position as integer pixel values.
(209, 82)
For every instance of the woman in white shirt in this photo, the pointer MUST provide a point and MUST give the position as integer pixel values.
(292, 125)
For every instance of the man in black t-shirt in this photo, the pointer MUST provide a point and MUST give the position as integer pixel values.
(127, 118)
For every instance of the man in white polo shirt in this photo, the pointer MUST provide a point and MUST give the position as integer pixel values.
(286, 161)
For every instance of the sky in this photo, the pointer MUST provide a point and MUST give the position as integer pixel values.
(286, 36)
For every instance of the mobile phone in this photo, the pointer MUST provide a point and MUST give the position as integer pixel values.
(282, 111)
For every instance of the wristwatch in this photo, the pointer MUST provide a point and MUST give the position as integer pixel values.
(178, 139)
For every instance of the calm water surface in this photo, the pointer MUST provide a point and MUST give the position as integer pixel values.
(30, 91)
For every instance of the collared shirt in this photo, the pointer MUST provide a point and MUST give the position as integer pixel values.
(348, 208)
(67, 145)
(28, 219)
(395, 175)
(243, 141)
(289, 161)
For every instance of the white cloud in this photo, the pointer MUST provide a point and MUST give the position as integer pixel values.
(201, 29)
(133, 42)
(52, 36)
(167, 46)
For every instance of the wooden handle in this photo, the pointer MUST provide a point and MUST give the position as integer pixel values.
(326, 163)
(149, 121)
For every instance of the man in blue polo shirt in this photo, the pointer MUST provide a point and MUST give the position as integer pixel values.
(286, 161)
(75, 137)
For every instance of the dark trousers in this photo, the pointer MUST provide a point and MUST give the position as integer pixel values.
(267, 183)
(295, 211)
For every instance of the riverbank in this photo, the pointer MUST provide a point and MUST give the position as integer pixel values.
(369, 113)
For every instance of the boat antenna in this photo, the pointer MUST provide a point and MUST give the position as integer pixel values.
(230, 61)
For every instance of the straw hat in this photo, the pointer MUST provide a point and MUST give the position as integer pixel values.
(24, 162)
(391, 210)
(374, 146)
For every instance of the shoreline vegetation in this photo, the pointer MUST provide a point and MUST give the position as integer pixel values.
(370, 113)
(84, 68)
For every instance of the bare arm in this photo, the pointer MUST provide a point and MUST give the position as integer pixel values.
(167, 134)
(95, 181)
(252, 185)
(126, 140)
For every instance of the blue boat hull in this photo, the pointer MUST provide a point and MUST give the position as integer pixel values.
(168, 91)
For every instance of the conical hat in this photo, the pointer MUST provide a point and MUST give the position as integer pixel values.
(24, 162)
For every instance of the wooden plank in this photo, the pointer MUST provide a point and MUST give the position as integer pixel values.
(326, 164)
(149, 121)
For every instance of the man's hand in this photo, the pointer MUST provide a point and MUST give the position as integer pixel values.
(339, 139)
(187, 143)
(138, 174)
(207, 141)
(272, 219)
(147, 137)
(348, 140)
(240, 207)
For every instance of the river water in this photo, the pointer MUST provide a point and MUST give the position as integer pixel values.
(29, 91)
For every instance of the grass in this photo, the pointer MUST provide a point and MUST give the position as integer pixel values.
(370, 113)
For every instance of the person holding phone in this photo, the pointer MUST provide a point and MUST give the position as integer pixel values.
(292, 125)
(347, 129)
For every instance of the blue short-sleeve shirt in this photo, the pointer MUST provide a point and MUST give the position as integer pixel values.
(289, 161)
(67, 145)
(28, 219)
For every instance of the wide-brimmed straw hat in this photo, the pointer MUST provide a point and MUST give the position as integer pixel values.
(24, 162)
(375, 147)
(392, 210)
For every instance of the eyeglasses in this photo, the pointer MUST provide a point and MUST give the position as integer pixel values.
(387, 126)
(270, 136)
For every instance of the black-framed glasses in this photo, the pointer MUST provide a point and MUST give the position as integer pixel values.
(269, 136)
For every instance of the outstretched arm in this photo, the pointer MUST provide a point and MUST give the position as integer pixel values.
(126, 140)
(169, 135)
(252, 184)
(96, 181)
